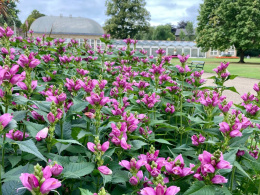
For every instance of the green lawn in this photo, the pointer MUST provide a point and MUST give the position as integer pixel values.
(251, 69)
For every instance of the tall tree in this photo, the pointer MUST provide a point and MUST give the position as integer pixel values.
(127, 17)
(225, 23)
(163, 32)
(182, 35)
(190, 31)
(182, 24)
(8, 13)
(30, 19)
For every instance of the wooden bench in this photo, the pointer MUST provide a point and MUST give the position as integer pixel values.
(197, 64)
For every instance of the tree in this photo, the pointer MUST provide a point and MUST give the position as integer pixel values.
(141, 35)
(30, 19)
(182, 35)
(128, 17)
(8, 13)
(182, 24)
(225, 23)
(190, 31)
(163, 32)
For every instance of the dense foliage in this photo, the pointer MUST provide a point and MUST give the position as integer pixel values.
(82, 120)
(225, 23)
(126, 18)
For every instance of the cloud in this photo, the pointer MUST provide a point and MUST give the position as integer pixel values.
(162, 11)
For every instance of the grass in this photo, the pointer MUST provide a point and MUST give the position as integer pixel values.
(250, 69)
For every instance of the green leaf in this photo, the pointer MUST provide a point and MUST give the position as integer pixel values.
(66, 130)
(77, 170)
(238, 166)
(106, 178)
(85, 192)
(10, 187)
(19, 115)
(30, 147)
(69, 142)
(157, 122)
(33, 128)
(120, 177)
(162, 141)
(231, 89)
(11, 125)
(137, 144)
(199, 188)
(61, 147)
(14, 160)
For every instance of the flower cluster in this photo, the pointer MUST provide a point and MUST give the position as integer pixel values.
(210, 164)
(41, 181)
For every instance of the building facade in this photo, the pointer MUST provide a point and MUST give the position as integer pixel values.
(68, 28)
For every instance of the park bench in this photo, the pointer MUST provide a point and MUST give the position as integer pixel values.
(197, 65)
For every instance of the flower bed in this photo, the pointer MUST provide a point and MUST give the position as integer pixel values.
(76, 119)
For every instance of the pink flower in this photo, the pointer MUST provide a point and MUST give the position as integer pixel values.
(5, 119)
(105, 170)
(42, 134)
(183, 58)
(56, 169)
(160, 190)
(256, 87)
(17, 135)
(224, 127)
(218, 179)
(96, 99)
(49, 185)
(29, 181)
(196, 140)
(47, 172)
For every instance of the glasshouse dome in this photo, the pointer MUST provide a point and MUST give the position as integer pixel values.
(66, 25)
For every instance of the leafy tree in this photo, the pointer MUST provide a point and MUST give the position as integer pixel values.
(163, 32)
(190, 31)
(8, 13)
(127, 17)
(225, 23)
(182, 24)
(141, 35)
(182, 35)
(30, 19)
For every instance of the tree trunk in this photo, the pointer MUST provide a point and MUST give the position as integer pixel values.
(242, 56)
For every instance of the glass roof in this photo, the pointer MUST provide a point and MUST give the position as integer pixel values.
(160, 43)
(66, 25)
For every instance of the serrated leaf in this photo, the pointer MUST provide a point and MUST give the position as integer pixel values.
(30, 147)
(19, 115)
(199, 188)
(85, 192)
(14, 160)
(33, 128)
(162, 141)
(137, 144)
(10, 187)
(120, 177)
(238, 166)
(77, 170)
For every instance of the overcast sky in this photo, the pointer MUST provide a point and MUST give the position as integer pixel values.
(162, 11)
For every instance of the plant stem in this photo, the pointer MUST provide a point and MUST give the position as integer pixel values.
(182, 83)
(61, 129)
(97, 187)
(259, 188)
(3, 151)
(232, 178)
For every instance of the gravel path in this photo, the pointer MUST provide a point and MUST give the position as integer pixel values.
(242, 85)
